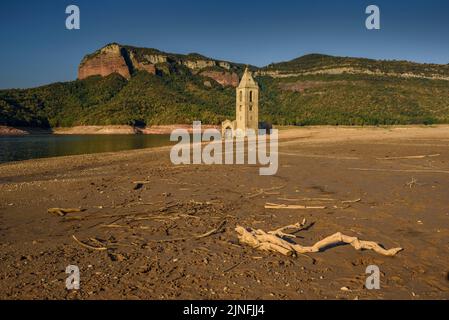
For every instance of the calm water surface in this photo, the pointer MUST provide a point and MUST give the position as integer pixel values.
(44, 146)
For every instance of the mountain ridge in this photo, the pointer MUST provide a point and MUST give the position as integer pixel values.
(127, 85)
(313, 62)
(126, 60)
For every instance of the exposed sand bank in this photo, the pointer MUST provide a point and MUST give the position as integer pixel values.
(96, 130)
(399, 175)
(318, 132)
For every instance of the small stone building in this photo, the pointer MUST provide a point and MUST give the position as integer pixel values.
(247, 107)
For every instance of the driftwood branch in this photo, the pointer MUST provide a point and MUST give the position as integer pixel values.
(291, 206)
(275, 241)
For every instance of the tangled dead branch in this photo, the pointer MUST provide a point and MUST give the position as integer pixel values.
(275, 241)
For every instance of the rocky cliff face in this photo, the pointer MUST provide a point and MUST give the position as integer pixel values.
(114, 59)
(224, 78)
(198, 64)
(144, 65)
(108, 60)
(125, 60)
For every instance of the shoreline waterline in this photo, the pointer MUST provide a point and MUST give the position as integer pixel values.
(287, 136)
(96, 130)
(27, 147)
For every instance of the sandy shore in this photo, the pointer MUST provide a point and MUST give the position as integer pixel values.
(148, 214)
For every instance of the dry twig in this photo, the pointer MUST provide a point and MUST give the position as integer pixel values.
(412, 183)
(264, 191)
(307, 199)
(399, 170)
(195, 237)
(88, 246)
(291, 206)
(63, 211)
(352, 201)
(410, 157)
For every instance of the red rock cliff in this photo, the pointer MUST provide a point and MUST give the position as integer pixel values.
(112, 59)
(107, 61)
(223, 78)
(124, 60)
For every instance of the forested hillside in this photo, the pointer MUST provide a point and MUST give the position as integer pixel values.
(127, 85)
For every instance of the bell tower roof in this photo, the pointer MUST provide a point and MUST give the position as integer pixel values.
(247, 80)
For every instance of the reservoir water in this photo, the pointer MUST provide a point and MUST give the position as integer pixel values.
(18, 148)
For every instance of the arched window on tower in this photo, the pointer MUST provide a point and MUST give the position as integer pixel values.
(240, 96)
(250, 96)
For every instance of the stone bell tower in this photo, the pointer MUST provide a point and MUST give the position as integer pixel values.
(247, 107)
(247, 103)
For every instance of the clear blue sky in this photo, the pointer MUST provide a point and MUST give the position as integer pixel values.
(36, 48)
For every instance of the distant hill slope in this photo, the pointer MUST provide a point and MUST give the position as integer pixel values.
(128, 85)
(324, 64)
